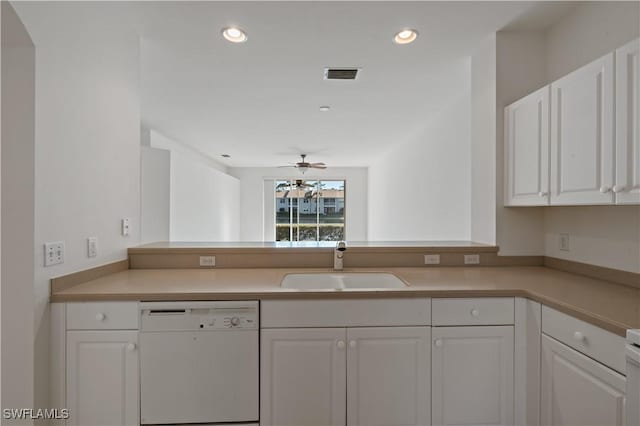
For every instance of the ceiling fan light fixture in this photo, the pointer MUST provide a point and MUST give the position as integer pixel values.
(234, 35)
(405, 36)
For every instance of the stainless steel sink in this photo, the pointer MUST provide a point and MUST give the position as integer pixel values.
(341, 280)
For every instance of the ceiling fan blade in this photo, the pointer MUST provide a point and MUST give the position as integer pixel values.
(313, 166)
(317, 164)
(280, 167)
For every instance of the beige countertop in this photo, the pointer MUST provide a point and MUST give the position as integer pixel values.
(612, 306)
(162, 245)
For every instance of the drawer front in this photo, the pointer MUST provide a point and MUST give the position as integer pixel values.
(473, 311)
(102, 316)
(345, 313)
(593, 341)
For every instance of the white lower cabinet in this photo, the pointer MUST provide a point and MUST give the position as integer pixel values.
(338, 376)
(472, 375)
(102, 378)
(303, 377)
(388, 376)
(576, 390)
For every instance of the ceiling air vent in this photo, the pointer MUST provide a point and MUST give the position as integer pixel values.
(340, 73)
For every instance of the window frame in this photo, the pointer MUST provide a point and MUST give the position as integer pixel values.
(290, 206)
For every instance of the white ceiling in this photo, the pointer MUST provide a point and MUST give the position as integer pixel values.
(258, 101)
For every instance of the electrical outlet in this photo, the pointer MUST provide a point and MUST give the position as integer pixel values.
(53, 253)
(564, 242)
(471, 259)
(431, 259)
(209, 261)
(125, 227)
(92, 246)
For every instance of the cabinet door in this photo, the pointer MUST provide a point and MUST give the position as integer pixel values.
(102, 378)
(627, 187)
(303, 377)
(582, 135)
(526, 138)
(472, 375)
(577, 390)
(388, 376)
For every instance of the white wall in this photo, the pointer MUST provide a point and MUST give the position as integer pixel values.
(420, 190)
(520, 69)
(483, 142)
(607, 235)
(253, 200)
(18, 116)
(87, 162)
(155, 204)
(204, 202)
(591, 30)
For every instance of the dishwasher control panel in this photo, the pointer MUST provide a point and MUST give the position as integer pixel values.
(176, 316)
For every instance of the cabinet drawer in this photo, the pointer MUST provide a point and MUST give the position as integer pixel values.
(476, 311)
(102, 316)
(599, 344)
(345, 313)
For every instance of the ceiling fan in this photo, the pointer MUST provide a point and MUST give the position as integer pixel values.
(303, 165)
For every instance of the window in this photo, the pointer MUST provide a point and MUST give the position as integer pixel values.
(310, 210)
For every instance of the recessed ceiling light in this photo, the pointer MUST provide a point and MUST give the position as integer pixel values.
(234, 35)
(325, 108)
(405, 36)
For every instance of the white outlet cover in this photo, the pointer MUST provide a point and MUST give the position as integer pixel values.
(431, 259)
(471, 259)
(564, 242)
(53, 253)
(126, 229)
(208, 261)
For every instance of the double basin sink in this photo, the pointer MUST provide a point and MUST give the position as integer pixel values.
(341, 281)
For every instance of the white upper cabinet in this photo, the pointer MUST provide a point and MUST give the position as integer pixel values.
(582, 110)
(627, 185)
(527, 150)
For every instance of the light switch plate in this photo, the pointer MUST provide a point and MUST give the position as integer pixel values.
(92, 246)
(471, 259)
(564, 242)
(209, 261)
(53, 253)
(431, 259)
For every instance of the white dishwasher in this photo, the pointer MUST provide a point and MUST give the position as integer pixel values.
(199, 362)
